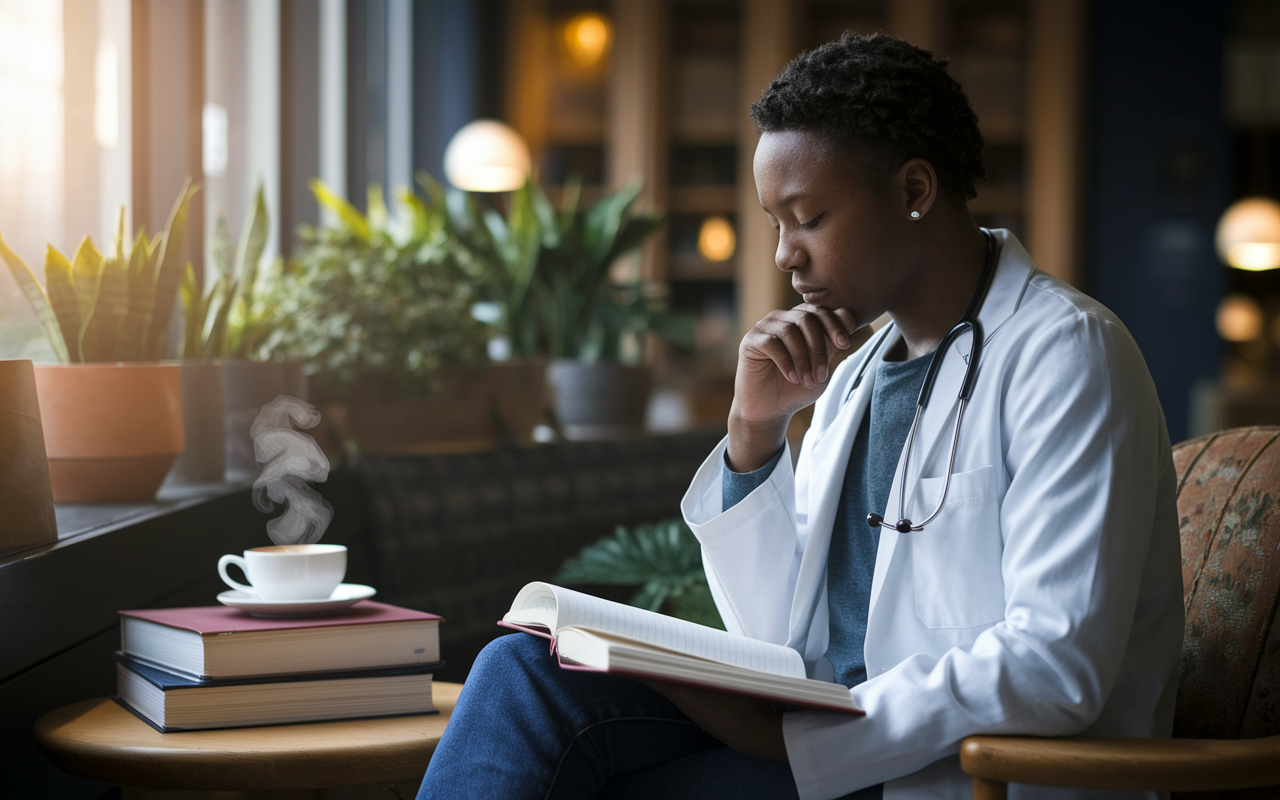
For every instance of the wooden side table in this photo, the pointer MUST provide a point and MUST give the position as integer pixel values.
(100, 740)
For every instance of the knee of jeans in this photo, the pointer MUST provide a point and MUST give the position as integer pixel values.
(517, 650)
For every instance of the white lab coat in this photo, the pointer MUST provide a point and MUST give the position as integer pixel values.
(1045, 600)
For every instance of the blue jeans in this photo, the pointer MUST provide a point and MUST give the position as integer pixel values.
(524, 728)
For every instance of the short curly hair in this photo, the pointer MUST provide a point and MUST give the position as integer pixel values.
(882, 91)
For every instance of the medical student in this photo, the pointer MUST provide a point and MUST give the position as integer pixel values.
(1002, 562)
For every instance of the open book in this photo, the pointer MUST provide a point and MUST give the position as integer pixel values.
(597, 635)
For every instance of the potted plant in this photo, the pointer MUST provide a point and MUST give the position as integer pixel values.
(380, 308)
(112, 415)
(550, 274)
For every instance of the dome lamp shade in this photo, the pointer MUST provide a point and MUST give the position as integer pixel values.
(1248, 235)
(487, 156)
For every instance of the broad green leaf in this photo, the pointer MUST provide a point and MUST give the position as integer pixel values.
(86, 275)
(141, 297)
(35, 294)
(119, 243)
(62, 296)
(220, 301)
(346, 213)
(102, 341)
(169, 273)
(221, 248)
(253, 241)
(193, 306)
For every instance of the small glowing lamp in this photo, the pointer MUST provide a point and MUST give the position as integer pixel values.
(1249, 234)
(487, 156)
(587, 36)
(716, 239)
(1239, 318)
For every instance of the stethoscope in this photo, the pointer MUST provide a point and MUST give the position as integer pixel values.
(968, 322)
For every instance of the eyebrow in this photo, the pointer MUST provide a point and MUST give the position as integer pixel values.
(787, 199)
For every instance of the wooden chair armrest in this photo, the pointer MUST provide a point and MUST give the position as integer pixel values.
(1180, 765)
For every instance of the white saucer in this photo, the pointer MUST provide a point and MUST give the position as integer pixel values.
(345, 595)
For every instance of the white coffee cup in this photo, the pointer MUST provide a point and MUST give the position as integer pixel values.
(289, 572)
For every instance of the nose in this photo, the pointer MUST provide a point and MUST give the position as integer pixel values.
(790, 256)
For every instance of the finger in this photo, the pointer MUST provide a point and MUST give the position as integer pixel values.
(769, 345)
(831, 324)
(793, 337)
(847, 319)
(815, 337)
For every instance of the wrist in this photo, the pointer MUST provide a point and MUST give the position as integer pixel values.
(752, 443)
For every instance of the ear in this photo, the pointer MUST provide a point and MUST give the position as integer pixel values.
(919, 185)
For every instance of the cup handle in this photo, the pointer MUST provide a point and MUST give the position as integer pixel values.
(239, 562)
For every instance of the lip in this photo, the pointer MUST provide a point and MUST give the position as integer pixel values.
(810, 294)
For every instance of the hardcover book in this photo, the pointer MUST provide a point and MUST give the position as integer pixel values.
(170, 702)
(222, 642)
(597, 635)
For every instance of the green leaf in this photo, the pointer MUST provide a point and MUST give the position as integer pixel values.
(86, 276)
(377, 207)
(221, 248)
(169, 274)
(62, 297)
(220, 300)
(194, 308)
(142, 261)
(35, 294)
(104, 338)
(664, 558)
(253, 241)
(344, 211)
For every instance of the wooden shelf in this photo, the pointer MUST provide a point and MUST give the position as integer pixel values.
(704, 199)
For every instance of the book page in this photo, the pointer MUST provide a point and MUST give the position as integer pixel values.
(556, 607)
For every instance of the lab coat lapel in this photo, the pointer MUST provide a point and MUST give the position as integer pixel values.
(829, 459)
(933, 440)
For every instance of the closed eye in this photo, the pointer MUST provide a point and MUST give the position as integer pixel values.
(813, 223)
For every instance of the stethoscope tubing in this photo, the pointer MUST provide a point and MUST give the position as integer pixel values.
(968, 323)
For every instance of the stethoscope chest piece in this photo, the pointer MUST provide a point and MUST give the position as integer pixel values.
(968, 323)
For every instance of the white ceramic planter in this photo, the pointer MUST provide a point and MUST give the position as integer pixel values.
(203, 426)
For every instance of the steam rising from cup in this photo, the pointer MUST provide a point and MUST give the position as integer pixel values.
(290, 458)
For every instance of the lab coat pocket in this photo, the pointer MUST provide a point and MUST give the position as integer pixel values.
(955, 559)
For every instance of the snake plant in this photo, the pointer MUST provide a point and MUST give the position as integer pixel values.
(228, 319)
(113, 307)
(550, 271)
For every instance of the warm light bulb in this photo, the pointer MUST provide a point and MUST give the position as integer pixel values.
(487, 156)
(1239, 318)
(587, 36)
(1248, 234)
(716, 239)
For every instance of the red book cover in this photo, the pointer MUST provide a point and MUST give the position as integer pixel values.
(210, 620)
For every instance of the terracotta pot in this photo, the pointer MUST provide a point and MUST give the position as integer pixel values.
(111, 430)
(25, 494)
(601, 400)
(473, 409)
(247, 387)
(203, 426)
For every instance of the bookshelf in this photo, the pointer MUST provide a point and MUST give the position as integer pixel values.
(669, 101)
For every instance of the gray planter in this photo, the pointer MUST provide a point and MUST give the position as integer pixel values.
(203, 426)
(603, 400)
(247, 387)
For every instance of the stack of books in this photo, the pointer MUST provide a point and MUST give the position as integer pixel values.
(216, 667)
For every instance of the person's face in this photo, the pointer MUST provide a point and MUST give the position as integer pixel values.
(840, 223)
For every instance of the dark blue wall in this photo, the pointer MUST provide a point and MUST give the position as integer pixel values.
(1157, 150)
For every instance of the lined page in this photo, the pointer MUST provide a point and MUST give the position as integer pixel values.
(556, 608)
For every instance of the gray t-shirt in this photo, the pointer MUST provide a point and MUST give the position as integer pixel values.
(868, 476)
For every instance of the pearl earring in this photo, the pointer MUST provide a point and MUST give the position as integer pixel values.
(915, 215)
